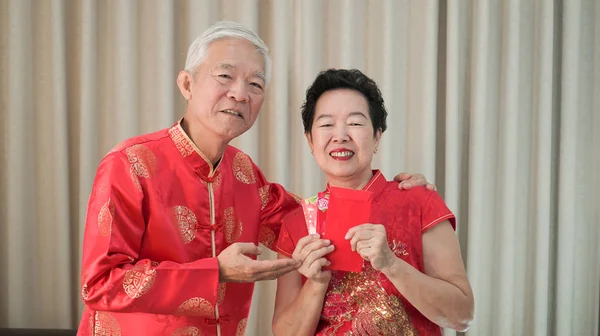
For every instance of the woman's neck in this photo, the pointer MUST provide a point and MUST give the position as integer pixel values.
(357, 181)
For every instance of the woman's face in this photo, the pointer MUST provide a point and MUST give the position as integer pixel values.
(342, 137)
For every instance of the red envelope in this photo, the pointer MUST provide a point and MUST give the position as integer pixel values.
(347, 209)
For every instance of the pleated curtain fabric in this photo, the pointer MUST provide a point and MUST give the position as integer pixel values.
(496, 102)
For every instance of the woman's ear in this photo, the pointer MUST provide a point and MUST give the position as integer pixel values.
(309, 140)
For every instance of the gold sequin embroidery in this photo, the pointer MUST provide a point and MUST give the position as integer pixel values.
(263, 192)
(241, 327)
(360, 298)
(186, 220)
(180, 141)
(187, 331)
(196, 307)
(105, 325)
(242, 168)
(233, 227)
(105, 218)
(143, 163)
(139, 280)
(221, 293)
(266, 236)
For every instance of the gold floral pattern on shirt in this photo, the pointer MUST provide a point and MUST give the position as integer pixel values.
(233, 227)
(242, 168)
(221, 293)
(186, 221)
(263, 192)
(139, 280)
(241, 327)
(181, 142)
(104, 324)
(360, 299)
(143, 163)
(196, 306)
(187, 331)
(106, 217)
(266, 236)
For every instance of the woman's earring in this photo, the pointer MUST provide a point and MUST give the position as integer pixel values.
(375, 151)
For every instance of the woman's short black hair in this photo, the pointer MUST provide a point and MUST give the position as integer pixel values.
(345, 79)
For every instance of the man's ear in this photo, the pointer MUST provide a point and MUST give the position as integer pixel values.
(184, 83)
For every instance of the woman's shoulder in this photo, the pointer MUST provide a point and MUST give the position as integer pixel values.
(418, 193)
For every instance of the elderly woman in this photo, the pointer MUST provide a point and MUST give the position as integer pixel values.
(413, 280)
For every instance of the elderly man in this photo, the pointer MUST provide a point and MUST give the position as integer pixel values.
(175, 217)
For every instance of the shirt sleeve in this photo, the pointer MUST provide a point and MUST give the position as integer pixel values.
(114, 277)
(435, 211)
(276, 204)
(292, 229)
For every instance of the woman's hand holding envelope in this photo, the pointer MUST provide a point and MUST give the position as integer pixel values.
(370, 241)
(311, 251)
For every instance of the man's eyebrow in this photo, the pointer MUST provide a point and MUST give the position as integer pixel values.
(260, 75)
(228, 66)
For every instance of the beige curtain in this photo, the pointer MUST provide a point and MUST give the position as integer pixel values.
(497, 102)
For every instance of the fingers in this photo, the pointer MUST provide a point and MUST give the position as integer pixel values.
(358, 228)
(301, 252)
(402, 177)
(246, 248)
(317, 254)
(360, 236)
(304, 241)
(316, 267)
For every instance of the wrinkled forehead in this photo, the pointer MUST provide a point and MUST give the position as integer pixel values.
(235, 54)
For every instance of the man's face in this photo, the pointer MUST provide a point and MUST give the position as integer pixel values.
(226, 91)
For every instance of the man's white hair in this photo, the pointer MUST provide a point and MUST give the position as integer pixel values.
(220, 30)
